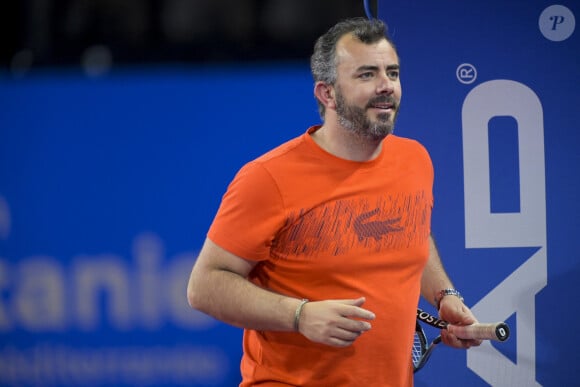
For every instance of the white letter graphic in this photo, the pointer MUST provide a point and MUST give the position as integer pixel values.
(484, 229)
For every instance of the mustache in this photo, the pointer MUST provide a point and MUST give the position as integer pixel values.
(383, 99)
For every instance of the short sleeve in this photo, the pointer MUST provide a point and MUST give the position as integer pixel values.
(250, 214)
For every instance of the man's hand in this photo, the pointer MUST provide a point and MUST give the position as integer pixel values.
(454, 311)
(335, 322)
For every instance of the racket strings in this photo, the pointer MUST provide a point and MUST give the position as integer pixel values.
(419, 345)
(418, 348)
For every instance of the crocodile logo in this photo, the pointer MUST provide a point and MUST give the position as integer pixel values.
(366, 228)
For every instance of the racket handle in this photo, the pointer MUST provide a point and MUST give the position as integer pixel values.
(478, 331)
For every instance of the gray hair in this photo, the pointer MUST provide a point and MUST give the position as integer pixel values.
(323, 60)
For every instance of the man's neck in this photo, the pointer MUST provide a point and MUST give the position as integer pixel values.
(346, 145)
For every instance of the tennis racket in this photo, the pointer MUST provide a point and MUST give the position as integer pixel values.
(422, 349)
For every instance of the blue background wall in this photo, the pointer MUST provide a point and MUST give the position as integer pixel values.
(108, 185)
(508, 238)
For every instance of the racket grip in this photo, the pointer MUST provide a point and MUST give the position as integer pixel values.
(478, 331)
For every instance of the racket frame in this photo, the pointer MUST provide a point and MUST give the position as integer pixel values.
(425, 348)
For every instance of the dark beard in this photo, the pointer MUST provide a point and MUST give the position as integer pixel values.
(356, 120)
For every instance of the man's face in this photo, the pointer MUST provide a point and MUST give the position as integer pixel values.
(368, 89)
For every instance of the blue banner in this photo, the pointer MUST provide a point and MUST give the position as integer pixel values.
(490, 89)
(109, 184)
(107, 189)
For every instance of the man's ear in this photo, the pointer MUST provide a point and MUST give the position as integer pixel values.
(325, 94)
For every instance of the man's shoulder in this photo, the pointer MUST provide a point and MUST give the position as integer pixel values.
(405, 143)
(403, 140)
(288, 149)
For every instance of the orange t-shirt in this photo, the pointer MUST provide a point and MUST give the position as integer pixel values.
(328, 228)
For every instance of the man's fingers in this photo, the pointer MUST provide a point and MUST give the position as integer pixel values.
(354, 325)
(343, 338)
(347, 335)
(352, 308)
(340, 343)
(457, 314)
(335, 322)
(452, 340)
(353, 301)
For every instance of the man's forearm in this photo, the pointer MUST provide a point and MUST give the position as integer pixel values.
(234, 300)
(434, 277)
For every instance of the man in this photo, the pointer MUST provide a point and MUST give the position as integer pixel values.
(321, 247)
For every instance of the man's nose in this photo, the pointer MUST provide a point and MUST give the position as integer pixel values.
(385, 85)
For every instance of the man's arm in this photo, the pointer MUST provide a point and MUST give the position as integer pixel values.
(434, 277)
(218, 286)
(451, 308)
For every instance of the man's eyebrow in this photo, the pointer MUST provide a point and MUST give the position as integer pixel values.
(367, 68)
(375, 68)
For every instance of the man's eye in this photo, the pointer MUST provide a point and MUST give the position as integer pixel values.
(393, 75)
(366, 75)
